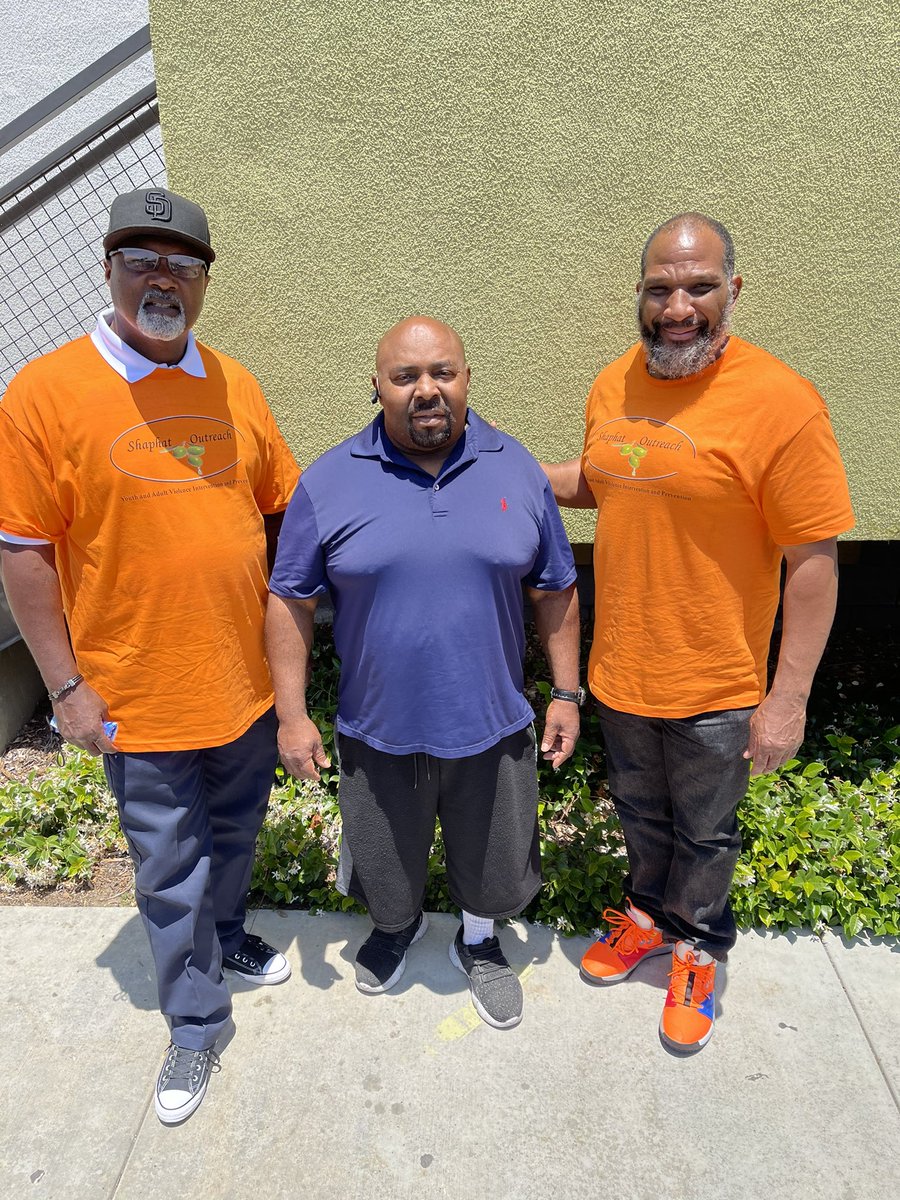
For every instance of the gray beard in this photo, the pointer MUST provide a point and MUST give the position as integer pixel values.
(666, 361)
(156, 325)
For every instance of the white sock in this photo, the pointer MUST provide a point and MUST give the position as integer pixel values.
(701, 957)
(640, 918)
(476, 929)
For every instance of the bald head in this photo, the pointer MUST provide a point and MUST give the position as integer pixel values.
(414, 333)
(422, 381)
(692, 223)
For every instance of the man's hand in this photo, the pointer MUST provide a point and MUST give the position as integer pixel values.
(301, 750)
(776, 732)
(561, 729)
(80, 716)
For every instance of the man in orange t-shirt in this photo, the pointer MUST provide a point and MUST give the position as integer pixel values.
(144, 475)
(708, 461)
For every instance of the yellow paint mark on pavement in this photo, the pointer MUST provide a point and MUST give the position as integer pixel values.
(465, 1020)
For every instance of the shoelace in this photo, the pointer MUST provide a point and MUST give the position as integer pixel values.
(259, 946)
(691, 983)
(187, 1065)
(624, 933)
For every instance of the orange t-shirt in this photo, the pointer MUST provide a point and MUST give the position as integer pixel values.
(698, 482)
(152, 494)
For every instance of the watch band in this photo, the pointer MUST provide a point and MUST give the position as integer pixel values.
(576, 697)
(68, 686)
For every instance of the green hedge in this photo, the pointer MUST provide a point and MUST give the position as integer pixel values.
(821, 836)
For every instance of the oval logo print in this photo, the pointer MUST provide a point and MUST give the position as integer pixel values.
(177, 449)
(640, 449)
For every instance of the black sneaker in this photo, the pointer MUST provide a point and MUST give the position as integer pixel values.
(496, 991)
(258, 962)
(182, 1082)
(381, 959)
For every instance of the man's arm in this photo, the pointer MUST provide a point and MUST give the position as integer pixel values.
(556, 620)
(569, 485)
(290, 628)
(810, 596)
(32, 589)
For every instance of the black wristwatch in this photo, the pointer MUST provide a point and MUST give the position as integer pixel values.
(576, 697)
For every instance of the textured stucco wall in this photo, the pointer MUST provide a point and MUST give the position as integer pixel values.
(498, 164)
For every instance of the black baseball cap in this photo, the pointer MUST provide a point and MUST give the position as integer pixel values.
(157, 211)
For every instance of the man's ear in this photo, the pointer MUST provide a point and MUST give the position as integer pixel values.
(736, 284)
(107, 269)
(376, 394)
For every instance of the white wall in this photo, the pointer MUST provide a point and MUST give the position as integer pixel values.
(44, 44)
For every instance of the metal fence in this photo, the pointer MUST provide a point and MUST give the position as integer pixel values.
(52, 220)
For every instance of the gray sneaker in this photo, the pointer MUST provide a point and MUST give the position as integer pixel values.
(182, 1082)
(496, 991)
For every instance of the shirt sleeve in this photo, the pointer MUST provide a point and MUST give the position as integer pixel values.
(28, 504)
(804, 494)
(299, 571)
(554, 567)
(279, 473)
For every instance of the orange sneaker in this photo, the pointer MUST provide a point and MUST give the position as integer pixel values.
(628, 942)
(687, 1018)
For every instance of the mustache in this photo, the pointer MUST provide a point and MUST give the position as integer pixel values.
(437, 406)
(158, 296)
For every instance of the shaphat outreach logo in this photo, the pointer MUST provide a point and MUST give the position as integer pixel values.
(177, 449)
(158, 206)
(653, 449)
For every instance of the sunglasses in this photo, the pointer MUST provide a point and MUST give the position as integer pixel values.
(183, 266)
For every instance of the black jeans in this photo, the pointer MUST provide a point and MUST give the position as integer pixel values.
(676, 784)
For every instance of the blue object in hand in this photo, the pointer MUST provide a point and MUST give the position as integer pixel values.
(110, 728)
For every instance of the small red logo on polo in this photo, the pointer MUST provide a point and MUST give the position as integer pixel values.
(503, 505)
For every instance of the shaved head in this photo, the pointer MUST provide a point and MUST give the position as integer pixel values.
(414, 332)
(694, 221)
(422, 382)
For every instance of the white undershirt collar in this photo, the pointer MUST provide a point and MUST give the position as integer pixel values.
(133, 367)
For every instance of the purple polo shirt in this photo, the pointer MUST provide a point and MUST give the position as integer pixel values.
(426, 580)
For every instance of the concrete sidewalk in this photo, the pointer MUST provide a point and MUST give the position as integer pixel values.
(329, 1094)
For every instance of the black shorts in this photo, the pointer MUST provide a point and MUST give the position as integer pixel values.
(487, 805)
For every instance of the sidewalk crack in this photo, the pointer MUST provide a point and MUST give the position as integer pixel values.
(889, 1084)
(131, 1149)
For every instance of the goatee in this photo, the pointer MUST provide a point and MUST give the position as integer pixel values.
(160, 326)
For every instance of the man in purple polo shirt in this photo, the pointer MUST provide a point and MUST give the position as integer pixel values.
(424, 527)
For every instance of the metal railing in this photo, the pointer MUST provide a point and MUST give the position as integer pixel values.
(53, 216)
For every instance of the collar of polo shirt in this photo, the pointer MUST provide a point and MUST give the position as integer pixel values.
(134, 367)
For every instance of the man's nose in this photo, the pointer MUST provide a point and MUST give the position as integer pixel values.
(161, 276)
(426, 386)
(680, 306)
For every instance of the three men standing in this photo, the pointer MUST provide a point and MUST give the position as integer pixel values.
(150, 467)
(424, 528)
(708, 461)
(149, 470)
